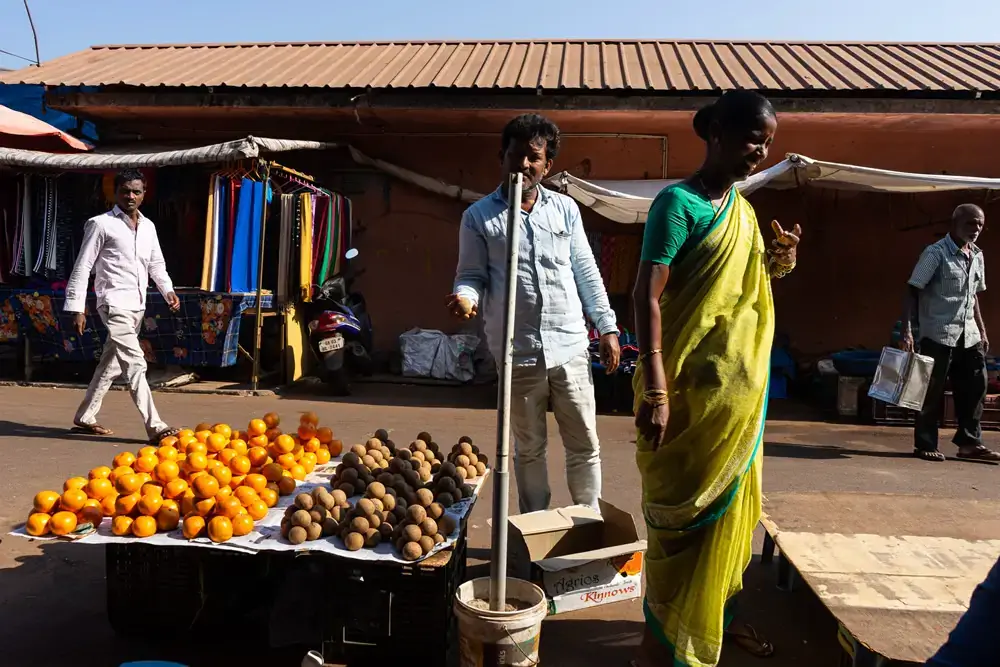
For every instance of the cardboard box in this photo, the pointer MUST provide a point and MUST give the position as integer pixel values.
(578, 557)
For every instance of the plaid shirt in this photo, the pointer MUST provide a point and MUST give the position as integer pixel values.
(949, 281)
(557, 278)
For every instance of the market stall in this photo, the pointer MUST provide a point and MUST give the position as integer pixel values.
(385, 521)
(237, 230)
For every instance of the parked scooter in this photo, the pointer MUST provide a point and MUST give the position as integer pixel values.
(340, 332)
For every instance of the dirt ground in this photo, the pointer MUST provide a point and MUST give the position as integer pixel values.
(52, 596)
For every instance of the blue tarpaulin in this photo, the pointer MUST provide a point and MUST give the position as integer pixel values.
(30, 99)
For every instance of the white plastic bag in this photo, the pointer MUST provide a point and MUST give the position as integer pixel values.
(430, 353)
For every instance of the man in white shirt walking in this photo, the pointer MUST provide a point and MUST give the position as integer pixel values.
(123, 251)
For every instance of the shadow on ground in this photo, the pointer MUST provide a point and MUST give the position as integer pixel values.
(788, 450)
(10, 429)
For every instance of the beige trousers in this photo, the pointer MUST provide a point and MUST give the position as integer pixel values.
(122, 356)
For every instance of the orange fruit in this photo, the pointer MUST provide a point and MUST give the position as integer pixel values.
(272, 434)
(148, 450)
(118, 472)
(144, 526)
(100, 471)
(205, 506)
(185, 432)
(222, 474)
(167, 519)
(258, 441)
(308, 459)
(99, 487)
(213, 464)
(150, 504)
(75, 483)
(256, 482)
(129, 483)
(184, 442)
(73, 500)
(92, 502)
(169, 441)
(187, 506)
(121, 525)
(336, 447)
(202, 436)
(324, 434)
(257, 456)
(203, 426)
(323, 456)
(236, 481)
(91, 515)
(298, 472)
(220, 529)
(286, 461)
(216, 442)
(62, 523)
(306, 431)
(146, 463)
(166, 471)
(108, 504)
(38, 524)
(144, 477)
(311, 445)
(124, 459)
(272, 420)
(227, 455)
(205, 486)
(46, 501)
(269, 496)
(196, 462)
(257, 509)
(151, 488)
(224, 430)
(272, 472)
(197, 446)
(286, 485)
(228, 507)
(240, 465)
(171, 503)
(245, 495)
(298, 453)
(224, 492)
(257, 427)
(194, 526)
(175, 488)
(308, 465)
(239, 446)
(126, 503)
(242, 525)
(309, 418)
(167, 453)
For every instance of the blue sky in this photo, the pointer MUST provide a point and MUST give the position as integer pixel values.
(65, 26)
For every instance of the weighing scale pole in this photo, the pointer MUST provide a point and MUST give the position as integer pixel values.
(501, 464)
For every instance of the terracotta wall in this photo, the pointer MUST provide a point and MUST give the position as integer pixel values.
(857, 254)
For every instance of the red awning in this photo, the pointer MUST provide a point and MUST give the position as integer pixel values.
(19, 130)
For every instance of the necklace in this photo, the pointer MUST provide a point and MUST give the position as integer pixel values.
(708, 195)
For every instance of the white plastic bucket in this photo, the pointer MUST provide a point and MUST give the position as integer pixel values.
(498, 638)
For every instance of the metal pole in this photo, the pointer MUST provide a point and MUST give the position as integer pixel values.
(34, 33)
(255, 378)
(501, 464)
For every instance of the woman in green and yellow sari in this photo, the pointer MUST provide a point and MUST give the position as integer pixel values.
(705, 322)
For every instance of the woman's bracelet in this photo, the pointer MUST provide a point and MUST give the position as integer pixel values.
(779, 271)
(647, 355)
(655, 397)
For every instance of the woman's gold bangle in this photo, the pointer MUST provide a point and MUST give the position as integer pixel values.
(647, 355)
(655, 397)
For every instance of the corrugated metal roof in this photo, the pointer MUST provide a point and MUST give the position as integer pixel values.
(568, 65)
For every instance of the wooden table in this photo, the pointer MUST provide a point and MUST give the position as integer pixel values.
(895, 571)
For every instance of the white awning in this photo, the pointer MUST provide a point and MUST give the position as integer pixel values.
(144, 156)
(629, 201)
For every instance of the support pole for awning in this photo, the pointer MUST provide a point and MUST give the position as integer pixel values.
(501, 463)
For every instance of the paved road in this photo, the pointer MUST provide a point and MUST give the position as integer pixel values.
(52, 598)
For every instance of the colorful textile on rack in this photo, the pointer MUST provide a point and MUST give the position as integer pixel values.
(305, 247)
(246, 245)
(285, 247)
(205, 332)
(206, 264)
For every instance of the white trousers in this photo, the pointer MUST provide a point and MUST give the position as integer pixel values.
(571, 389)
(122, 356)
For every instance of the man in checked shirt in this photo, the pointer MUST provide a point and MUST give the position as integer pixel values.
(557, 282)
(944, 290)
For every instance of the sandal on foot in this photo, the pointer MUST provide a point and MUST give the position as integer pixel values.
(165, 433)
(91, 429)
(926, 455)
(751, 642)
(980, 453)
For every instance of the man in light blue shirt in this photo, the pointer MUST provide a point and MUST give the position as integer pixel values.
(557, 283)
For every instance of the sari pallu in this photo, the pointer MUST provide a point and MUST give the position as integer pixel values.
(702, 486)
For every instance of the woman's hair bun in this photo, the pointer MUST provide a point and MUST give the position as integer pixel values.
(703, 120)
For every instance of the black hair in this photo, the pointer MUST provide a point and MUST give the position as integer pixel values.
(126, 175)
(530, 126)
(735, 110)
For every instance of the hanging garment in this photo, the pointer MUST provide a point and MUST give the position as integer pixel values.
(320, 227)
(305, 248)
(285, 247)
(218, 223)
(323, 272)
(18, 264)
(206, 263)
(246, 242)
(233, 197)
(43, 225)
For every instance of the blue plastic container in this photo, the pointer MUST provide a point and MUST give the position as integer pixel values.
(856, 363)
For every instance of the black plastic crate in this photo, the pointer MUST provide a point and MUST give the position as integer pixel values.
(378, 612)
(185, 587)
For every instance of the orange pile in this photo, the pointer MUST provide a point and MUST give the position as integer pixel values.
(219, 480)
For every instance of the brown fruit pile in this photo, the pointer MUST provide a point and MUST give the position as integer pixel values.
(315, 515)
(424, 527)
(465, 456)
(372, 519)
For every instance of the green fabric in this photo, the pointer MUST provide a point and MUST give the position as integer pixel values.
(679, 219)
(324, 270)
